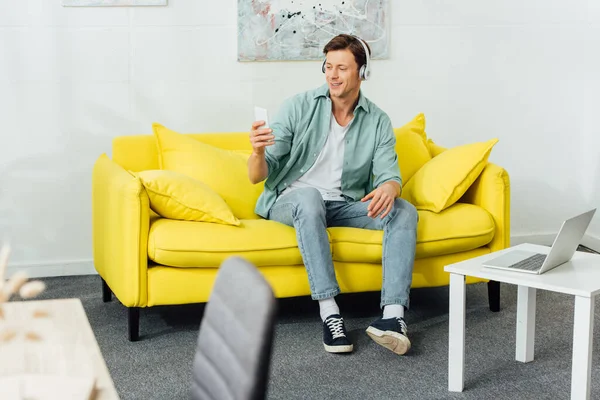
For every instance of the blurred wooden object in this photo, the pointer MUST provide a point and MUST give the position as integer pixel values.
(48, 350)
(46, 387)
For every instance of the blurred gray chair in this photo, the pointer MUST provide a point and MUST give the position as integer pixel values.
(233, 353)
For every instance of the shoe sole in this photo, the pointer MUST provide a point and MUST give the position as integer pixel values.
(391, 340)
(339, 349)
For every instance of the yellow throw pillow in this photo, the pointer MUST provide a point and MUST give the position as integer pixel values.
(224, 171)
(434, 148)
(176, 196)
(417, 125)
(411, 147)
(446, 177)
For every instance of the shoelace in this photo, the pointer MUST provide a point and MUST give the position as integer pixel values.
(336, 327)
(403, 326)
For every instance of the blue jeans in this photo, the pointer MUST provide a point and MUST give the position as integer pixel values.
(306, 211)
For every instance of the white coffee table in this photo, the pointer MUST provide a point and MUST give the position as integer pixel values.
(579, 277)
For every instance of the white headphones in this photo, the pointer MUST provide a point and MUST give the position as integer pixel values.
(365, 70)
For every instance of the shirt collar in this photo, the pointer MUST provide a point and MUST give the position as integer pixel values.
(323, 91)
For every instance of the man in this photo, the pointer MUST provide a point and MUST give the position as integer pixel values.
(329, 160)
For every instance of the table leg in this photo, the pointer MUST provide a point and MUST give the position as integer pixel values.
(583, 331)
(525, 323)
(456, 355)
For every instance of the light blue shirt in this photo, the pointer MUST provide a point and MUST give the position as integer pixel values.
(301, 128)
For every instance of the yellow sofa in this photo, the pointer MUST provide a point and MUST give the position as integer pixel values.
(147, 260)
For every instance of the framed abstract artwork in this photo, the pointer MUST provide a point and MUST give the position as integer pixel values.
(112, 3)
(277, 30)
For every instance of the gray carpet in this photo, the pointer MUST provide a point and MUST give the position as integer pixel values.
(159, 365)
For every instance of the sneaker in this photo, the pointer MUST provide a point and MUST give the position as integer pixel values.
(390, 333)
(334, 335)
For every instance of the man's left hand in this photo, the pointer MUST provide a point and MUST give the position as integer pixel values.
(382, 199)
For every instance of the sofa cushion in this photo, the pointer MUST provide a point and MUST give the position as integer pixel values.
(177, 196)
(444, 179)
(411, 147)
(461, 227)
(224, 171)
(200, 244)
(269, 243)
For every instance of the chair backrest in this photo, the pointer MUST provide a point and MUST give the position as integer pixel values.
(236, 333)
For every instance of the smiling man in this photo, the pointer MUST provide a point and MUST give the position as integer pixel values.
(329, 160)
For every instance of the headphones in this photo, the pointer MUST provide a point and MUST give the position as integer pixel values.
(364, 72)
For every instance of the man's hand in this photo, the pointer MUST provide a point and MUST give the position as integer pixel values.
(259, 138)
(382, 199)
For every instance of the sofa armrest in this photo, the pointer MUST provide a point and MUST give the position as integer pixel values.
(120, 220)
(491, 191)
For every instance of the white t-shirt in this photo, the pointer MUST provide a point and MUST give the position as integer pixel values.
(326, 173)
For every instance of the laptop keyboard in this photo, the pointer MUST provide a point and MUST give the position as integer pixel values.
(530, 263)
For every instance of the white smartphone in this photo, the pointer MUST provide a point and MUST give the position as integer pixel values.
(261, 114)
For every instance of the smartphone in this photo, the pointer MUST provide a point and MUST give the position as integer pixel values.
(261, 114)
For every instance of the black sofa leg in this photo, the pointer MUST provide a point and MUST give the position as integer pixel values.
(134, 323)
(494, 295)
(106, 292)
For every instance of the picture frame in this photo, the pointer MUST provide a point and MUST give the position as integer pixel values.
(297, 30)
(112, 3)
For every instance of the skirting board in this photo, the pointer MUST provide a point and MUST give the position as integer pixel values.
(592, 242)
(47, 270)
(86, 267)
(548, 238)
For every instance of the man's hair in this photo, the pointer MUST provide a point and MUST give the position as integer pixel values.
(352, 43)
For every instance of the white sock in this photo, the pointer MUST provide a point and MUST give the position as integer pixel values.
(393, 310)
(328, 307)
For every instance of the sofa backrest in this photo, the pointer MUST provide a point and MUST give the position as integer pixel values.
(139, 152)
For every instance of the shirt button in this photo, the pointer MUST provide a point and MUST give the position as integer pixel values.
(284, 184)
(301, 170)
(314, 154)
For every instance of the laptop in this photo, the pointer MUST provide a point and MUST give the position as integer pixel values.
(564, 247)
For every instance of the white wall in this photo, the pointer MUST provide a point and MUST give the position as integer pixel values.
(71, 79)
(591, 173)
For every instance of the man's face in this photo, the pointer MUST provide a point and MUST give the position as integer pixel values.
(341, 73)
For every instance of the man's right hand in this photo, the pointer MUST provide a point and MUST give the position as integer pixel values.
(261, 137)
